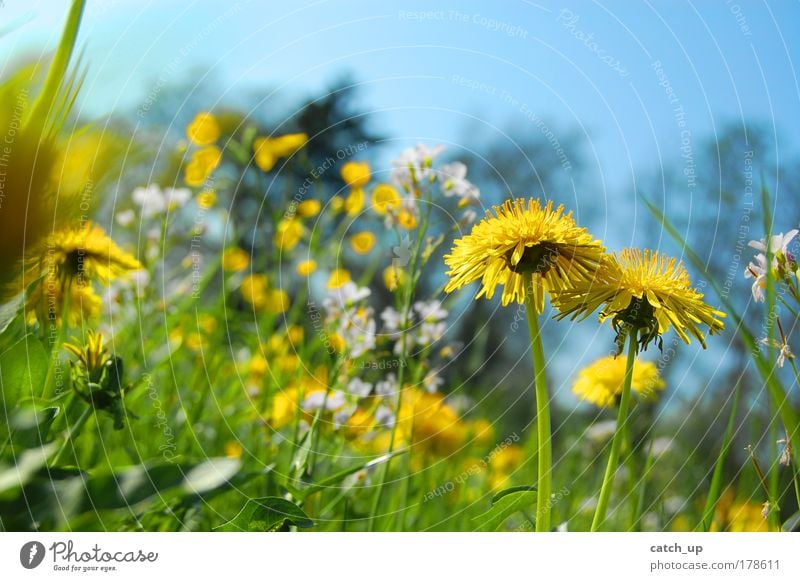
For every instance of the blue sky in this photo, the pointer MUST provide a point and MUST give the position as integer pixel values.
(429, 67)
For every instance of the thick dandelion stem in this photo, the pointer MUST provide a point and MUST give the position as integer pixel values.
(616, 443)
(545, 451)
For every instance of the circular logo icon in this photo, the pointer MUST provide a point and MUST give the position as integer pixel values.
(31, 554)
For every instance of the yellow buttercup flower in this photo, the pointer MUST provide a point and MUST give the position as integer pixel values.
(644, 290)
(356, 174)
(235, 260)
(308, 208)
(288, 233)
(385, 198)
(601, 382)
(268, 150)
(362, 242)
(201, 166)
(354, 202)
(393, 277)
(523, 239)
(286, 145)
(306, 267)
(338, 278)
(203, 130)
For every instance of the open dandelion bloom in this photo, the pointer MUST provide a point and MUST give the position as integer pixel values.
(86, 252)
(523, 238)
(601, 382)
(644, 290)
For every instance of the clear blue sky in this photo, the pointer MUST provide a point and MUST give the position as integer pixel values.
(428, 67)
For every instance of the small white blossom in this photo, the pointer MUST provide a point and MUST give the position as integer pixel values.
(359, 387)
(314, 400)
(414, 164)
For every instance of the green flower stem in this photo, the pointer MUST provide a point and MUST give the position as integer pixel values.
(622, 419)
(545, 447)
(71, 433)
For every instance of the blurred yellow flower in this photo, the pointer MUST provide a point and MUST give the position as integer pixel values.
(288, 233)
(203, 130)
(85, 253)
(202, 164)
(384, 198)
(276, 301)
(601, 382)
(284, 408)
(268, 150)
(258, 366)
(394, 277)
(434, 425)
(354, 202)
(207, 199)
(336, 204)
(356, 174)
(233, 449)
(362, 242)
(406, 219)
(235, 260)
(46, 302)
(308, 208)
(339, 277)
(254, 290)
(306, 267)
(295, 334)
(358, 424)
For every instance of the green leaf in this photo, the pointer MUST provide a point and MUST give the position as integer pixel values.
(25, 468)
(23, 368)
(270, 513)
(512, 490)
(506, 504)
(335, 479)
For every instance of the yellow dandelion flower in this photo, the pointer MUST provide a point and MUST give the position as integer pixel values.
(288, 233)
(308, 208)
(207, 199)
(394, 277)
(86, 254)
(284, 407)
(356, 174)
(385, 198)
(339, 277)
(644, 290)
(523, 238)
(362, 242)
(92, 355)
(406, 219)
(354, 202)
(601, 382)
(203, 130)
(235, 260)
(358, 424)
(306, 268)
(50, 297)
(337, 342)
